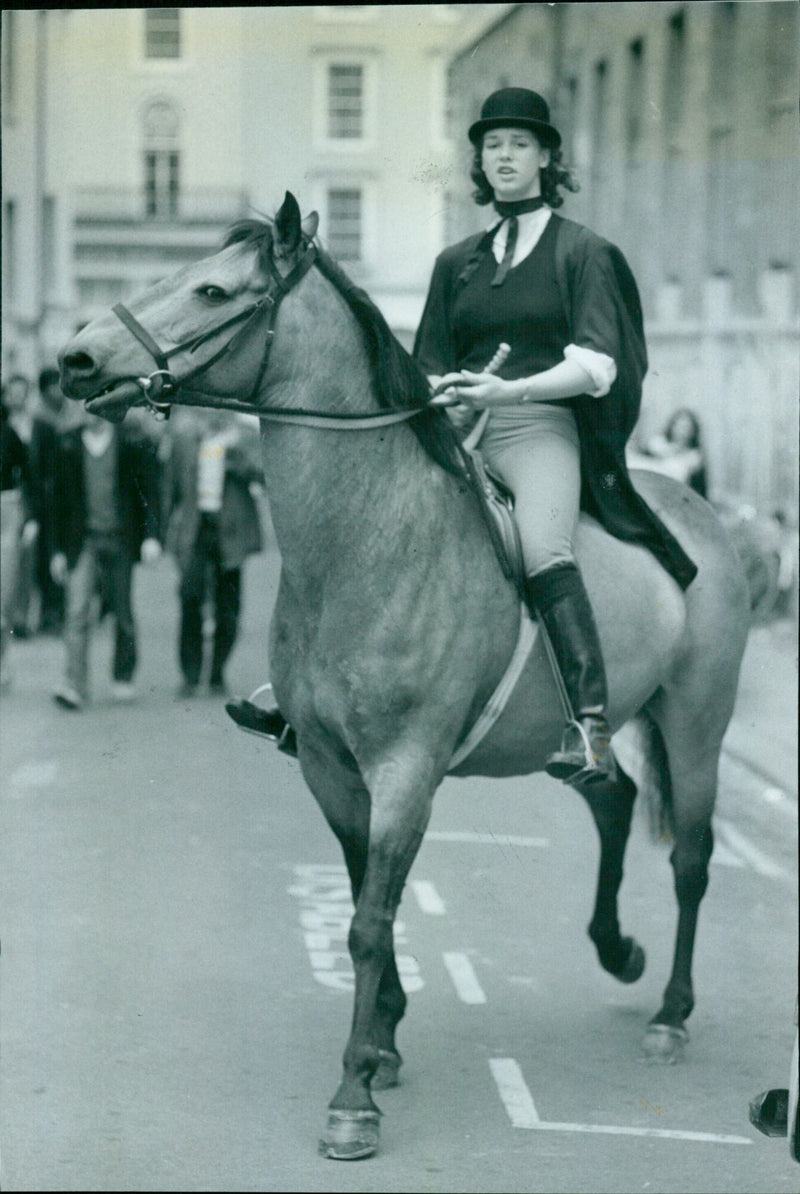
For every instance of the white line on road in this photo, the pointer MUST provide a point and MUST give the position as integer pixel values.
(513, 1090)
(428, 897)
(484, 839)
(38, 774)
(521, 1109)
(777, 798)
(464, 978)
(725, 857)
(739, 844)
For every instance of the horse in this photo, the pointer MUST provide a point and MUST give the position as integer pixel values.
(394, 622)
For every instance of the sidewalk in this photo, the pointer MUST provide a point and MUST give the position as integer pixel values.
(763, 731)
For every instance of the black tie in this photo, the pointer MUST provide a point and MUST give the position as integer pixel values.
(512, 210)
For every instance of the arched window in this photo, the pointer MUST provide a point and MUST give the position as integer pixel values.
(161, 160)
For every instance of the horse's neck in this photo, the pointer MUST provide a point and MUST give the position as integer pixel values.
(342, 501)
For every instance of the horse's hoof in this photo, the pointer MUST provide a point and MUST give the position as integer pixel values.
(634, 967)
(663, 1044)
(387, 1074)
(351, 1135)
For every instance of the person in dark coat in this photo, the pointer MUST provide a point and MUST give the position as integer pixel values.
(18, 526)
(52, 416)
(106, 518)
(214, 525)
(564, 400)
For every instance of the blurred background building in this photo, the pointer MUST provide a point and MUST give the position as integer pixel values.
(133, 136)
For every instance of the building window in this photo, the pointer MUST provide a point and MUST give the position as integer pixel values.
(10, 251)
(345, 223)
(162, 33)
(161, 183)
(723, 47)
(345, 101)
(9, 63)
(598, 145)
(675, 74)
(635, 104)
(161, 160)
(48, 241)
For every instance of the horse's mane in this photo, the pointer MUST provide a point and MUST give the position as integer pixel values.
(398, 381)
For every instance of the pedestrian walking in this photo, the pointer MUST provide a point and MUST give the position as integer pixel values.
(52, 416)
(107, 517)
(17, 526)
(17, 398)
(213, 526)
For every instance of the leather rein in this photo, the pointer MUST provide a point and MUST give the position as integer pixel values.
(162, 385)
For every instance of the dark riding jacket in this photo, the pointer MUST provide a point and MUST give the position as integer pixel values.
(604, 313)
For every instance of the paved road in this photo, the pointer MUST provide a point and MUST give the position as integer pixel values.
(175, 986)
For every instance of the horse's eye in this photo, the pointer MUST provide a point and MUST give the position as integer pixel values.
(214, 294)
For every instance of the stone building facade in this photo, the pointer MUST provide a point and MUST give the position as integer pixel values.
(132, 137)
(680, 120)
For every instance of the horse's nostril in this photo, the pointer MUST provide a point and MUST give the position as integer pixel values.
(79, 362)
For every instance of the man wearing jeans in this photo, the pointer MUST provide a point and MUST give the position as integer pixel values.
(107, 507)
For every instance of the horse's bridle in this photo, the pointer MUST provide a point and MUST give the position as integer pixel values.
(161, 384)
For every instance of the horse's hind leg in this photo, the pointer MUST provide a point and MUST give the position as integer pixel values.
(693, 748)
(611, 808)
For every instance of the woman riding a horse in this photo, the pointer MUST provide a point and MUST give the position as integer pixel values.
(562, 405)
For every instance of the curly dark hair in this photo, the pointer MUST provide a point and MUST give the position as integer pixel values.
(552, 176)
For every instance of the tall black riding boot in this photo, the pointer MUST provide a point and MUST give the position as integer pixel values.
(558, 597)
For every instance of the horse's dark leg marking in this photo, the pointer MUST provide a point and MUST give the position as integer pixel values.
(692, 748)
(391, 1001)
(694, 842)
(612, 807)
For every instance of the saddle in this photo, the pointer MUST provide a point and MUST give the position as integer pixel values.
(497, 506)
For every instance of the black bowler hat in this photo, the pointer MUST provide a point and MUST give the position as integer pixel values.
(516, 106)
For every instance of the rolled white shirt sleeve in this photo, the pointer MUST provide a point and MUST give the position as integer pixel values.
(601, 369)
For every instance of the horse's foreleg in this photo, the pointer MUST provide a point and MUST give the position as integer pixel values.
(611, 808)
(401, 797)
(391, 1001)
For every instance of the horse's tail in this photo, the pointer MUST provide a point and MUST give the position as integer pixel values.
(653, 778)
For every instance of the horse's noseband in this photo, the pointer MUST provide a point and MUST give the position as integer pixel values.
(161, 384)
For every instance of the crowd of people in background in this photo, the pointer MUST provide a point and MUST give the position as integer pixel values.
(84, 501)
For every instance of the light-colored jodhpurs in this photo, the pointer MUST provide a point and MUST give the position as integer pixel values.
(535, 450)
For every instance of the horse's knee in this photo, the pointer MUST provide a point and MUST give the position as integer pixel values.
(689, 859)
(369, 941)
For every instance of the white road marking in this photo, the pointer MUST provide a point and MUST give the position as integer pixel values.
(34, 774)
(464, 978)
(739, 844)
(725, 857)
(514, 1093)
(484, 839)
(521, 1109)
(777, 798)
(428, 897)
(326, 909)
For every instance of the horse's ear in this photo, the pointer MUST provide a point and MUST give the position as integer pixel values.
(288, 227)
(310, 225)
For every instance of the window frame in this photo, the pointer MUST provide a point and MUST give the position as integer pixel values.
(321, 138)
(148, 14)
